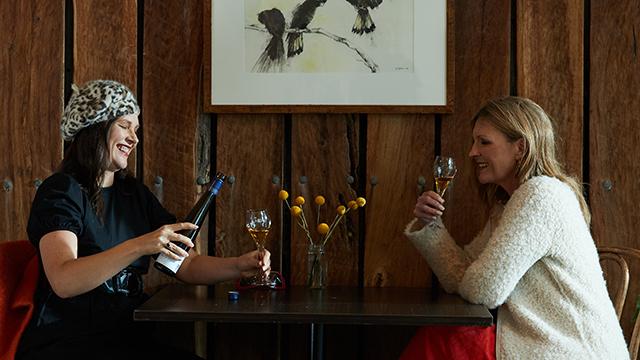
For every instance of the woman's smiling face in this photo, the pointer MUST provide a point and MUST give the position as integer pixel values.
(495, 156)
(121, 141)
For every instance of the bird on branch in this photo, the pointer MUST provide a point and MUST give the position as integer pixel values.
(273, 56)
(364, 23)
(302, 15)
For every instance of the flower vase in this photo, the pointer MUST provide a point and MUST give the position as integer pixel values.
(316, 267)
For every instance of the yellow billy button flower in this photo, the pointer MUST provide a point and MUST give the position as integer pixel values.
(283, 195)
(319, 200)
(352, 205)
(361, 201)
(323, 228)
(296, 211)
(299, 200)
(341, 210)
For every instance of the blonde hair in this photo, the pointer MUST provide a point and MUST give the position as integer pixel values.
(520, 118)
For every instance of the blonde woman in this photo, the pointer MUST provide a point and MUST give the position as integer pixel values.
(534, 261)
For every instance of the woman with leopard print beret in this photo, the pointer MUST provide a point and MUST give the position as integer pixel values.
(95, 228)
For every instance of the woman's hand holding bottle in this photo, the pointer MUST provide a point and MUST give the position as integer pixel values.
(159, 241)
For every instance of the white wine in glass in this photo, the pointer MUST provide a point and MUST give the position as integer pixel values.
(444, 169)
(258, 224)
(259, 236)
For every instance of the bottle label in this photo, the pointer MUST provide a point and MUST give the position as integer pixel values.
(170, 263)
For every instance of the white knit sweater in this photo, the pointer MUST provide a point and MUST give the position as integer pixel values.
(537, 262)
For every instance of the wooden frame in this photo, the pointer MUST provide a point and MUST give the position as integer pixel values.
(619, 255)
(244, 90)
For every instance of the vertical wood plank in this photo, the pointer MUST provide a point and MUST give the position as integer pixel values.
(170, 128)
(171, 118)
(550, 68)
(249, 147)
(482, 72)
(31, 69)
(400, 150)
(105, 41)
(170, 62)
(614, 104)
(105, 45)
(325, 152)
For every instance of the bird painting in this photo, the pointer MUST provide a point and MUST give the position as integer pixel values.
(302, 16)
(273, 56)
(364, 23)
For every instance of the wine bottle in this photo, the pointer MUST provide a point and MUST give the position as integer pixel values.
(196, 216)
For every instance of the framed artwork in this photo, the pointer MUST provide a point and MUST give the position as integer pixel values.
(367, 56)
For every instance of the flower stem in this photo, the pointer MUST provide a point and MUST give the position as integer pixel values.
(304, 219)
(335, 223)
(314, 268)
(316, 271)
(306, 231)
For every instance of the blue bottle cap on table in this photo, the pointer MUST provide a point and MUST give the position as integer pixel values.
(233, 295)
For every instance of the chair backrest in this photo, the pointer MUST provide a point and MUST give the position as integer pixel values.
(18, 278)
(619, 256)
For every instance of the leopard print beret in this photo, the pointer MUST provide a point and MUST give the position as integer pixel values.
(95, 102)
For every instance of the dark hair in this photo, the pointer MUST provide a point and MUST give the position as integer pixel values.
(87, 158)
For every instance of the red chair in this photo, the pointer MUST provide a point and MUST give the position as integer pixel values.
(19, 267)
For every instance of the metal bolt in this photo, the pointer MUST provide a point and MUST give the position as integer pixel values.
(350, 179)
(374, 180)
(607, 185)
(275, 179)
(7, 185)
(231, 179)
(421, 182)
(303, 179)
(158, 189)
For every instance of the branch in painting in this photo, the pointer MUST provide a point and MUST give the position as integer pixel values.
(339, 39)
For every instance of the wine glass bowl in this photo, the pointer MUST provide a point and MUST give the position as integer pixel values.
(444, 169)
(258, 224)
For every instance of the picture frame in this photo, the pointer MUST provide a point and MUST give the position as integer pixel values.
(345, 65)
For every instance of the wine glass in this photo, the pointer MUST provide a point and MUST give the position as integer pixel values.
(444, 169)
(258, 224)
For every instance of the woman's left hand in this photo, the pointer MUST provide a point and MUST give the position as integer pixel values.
(253, 262)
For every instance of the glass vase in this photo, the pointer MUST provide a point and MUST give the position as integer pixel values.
(316, 267)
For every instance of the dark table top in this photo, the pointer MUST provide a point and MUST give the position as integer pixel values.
(332, 305)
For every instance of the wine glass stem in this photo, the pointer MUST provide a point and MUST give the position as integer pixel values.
(261, 274)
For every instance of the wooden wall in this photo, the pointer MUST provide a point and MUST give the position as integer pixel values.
(577, 59)
(31, 89)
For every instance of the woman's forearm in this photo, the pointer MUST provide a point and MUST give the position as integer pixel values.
(205, 270)
(70, 275)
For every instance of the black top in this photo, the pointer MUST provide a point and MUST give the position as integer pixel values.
(130, 210)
